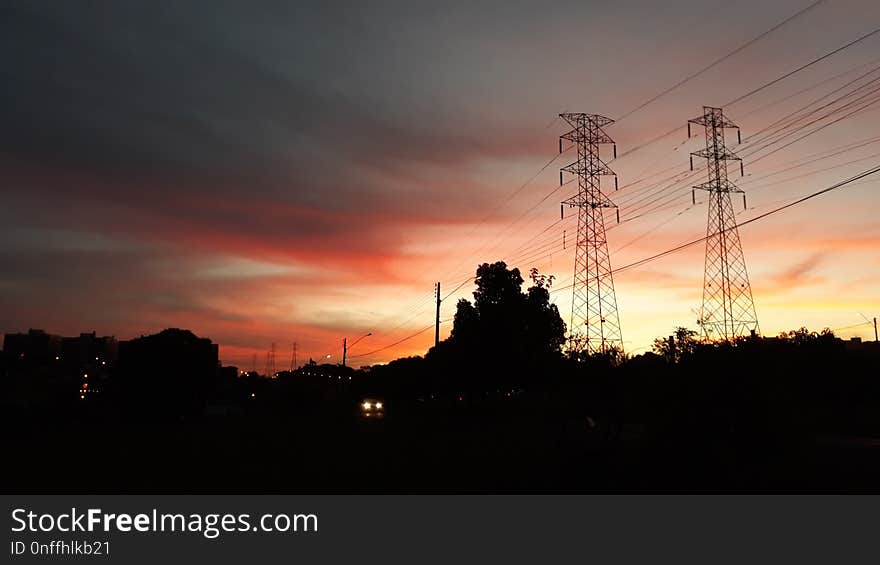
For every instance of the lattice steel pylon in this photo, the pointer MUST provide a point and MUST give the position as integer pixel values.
(270, 362)
(594, 319)
(728, 309)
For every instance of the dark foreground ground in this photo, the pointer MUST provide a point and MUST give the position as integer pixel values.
(790, 414)
(508, 443)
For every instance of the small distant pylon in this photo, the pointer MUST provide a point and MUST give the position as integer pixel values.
(728, 309)
(594, 319)
(270, 362)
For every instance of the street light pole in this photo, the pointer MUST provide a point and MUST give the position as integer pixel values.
(345, 346)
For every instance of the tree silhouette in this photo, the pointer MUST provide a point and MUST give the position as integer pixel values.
(681, 343)
(505, 331)
(544, 325)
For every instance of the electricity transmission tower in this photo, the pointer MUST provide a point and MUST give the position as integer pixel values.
(728, 310)
(595, 325)
(270, 362)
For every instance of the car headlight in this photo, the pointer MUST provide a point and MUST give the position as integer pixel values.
(378, 406)
(366, 405)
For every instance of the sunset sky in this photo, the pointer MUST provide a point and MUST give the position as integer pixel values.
(264, 172)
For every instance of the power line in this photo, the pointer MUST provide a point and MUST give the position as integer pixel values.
(808, 134)
(750, 220)
(691, 243)
(822, 155)
(458, 287)
(390, 345)
(811, 173)
(650, 231)
(859, 325)
(718, 61)
(802, 67)
(510, 197)
(760, 88)
(653, 196)
(807, 89)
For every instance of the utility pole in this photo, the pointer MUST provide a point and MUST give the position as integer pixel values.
(293, 358)
(437, 318)
(355, 342)
(875, 329)
(728, 309)
(594, 318)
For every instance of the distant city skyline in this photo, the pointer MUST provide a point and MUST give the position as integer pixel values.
(281, 173)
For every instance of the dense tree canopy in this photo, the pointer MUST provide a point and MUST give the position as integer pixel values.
(504, 328)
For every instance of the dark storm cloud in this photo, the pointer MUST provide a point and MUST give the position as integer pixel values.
(174, 97)
(230, 130)
(78, 279)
